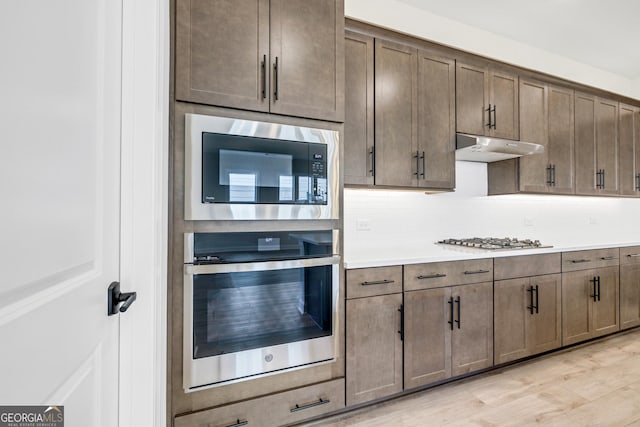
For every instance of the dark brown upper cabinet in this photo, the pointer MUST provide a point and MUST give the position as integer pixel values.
(596, 145)
(487, 101)
(412, 143)
(629, 150)
(283, 57)
(358, 114)
(546, 118)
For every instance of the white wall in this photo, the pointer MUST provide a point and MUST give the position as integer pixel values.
(408, 19)
(406, 224)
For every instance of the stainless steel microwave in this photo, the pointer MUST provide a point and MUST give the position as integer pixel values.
(248, 170)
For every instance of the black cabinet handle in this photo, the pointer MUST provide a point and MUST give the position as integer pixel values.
(423, 166)
(372, 153)
(488, 110)
(318, 402)
(633, 255)
(401, 331)
(495, 116)
(275, 79)
(417, 157)
(595, 291)
(431, 276)
(477, 272)
(458, 301)
(537, 300)
(530, 292)
(607, 258)
(598, 179)
(603, 182)
(378, 282)
(553, 175)
(598, 288)
(578, 261)
(549, 176)
(638, 182)
(238, 423)
(264, 76)
(450, 322)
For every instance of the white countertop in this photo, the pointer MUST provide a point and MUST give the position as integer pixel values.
(438, 253)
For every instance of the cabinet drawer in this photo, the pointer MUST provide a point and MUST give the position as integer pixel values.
(630, 255)
(526, 265)
(585, 260)
(278, 409)
(366, 282)
(439, 274)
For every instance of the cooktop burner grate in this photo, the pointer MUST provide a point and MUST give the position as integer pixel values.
(495, 243)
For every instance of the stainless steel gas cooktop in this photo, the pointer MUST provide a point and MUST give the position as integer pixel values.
(495, 243)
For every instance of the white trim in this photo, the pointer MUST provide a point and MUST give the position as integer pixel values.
(144, 211)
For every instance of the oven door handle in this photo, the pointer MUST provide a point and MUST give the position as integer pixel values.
(191, 269)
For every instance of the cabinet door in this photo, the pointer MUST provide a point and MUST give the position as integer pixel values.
(629, 150)
(307, 42)
(545, 332)
(436, 120)
(629, 295)
(607, 144)
(358, 114)
(534, 170)
(561, 142)
(472, 337)
(374, 348)
(605, 308)
(585, 144)
(577, 289)
(396, 114)
(504, 102)
(427, 338)
(472, 99)
(222, 53)
(511, 319)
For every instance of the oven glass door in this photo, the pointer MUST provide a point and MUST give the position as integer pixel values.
(240, 311)
(250, 170)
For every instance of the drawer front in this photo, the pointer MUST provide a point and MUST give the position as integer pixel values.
(585, 260)
(367, 282)
(630, 255)
(440, 274)
(277, 409)
(513, 267)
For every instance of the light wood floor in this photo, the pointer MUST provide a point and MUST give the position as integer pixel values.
(593, 385)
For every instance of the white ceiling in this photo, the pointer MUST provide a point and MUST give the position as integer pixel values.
(603, 34)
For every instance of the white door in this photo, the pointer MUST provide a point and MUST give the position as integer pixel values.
(60, 112)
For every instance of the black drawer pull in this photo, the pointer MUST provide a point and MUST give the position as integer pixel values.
(477, 272)
(633, 255)
(318, 402)
(238, 423)
(578, 261)
(378, 282)
(607, 258)
(431, 276)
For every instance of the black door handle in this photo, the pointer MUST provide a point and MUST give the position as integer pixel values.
(530, 292)
(488, 110)
(115, 297)
(598, 288)
(264, 76)
(458, 299)
(495, 116)
(537, 300)
(401, 331)
(595, 290)
(275, 79)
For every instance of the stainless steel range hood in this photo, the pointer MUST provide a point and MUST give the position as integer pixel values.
(474, 148)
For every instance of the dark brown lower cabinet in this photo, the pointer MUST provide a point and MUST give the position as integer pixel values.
(527, 316)
(589, 304)
(374, 347)
(629, 287)
(448, 332)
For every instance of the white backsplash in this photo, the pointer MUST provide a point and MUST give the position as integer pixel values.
(381, 224)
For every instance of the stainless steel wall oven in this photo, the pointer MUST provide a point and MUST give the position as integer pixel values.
(257, 303)
(250, 170)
